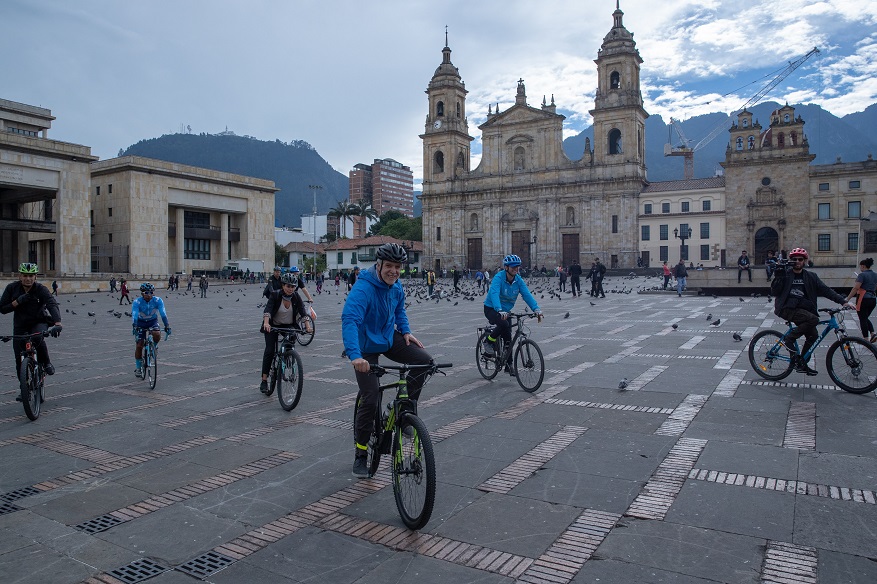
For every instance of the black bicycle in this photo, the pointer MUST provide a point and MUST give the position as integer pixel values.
(286, 370)
(528, 364)
(399, 432)
(31, 374)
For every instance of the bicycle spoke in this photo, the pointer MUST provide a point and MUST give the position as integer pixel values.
(413, 472)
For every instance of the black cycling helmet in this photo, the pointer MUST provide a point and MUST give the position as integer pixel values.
(27, 268)
(392, 252)
(289, 278)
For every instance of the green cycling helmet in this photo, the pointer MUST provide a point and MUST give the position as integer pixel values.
(27, 268)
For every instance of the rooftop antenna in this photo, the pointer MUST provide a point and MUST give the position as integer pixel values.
(446, 35)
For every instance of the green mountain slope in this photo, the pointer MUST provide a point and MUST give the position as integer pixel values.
(292, 166)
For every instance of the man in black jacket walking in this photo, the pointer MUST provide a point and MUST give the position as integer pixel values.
(575, 275)
(797, 294)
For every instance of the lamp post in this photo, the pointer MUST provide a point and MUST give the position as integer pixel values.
(686, 234)
(315, 188)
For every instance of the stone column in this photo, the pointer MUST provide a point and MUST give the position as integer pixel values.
(223, 239)
(181, 240)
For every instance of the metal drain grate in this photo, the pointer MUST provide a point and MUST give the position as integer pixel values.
(99, 524)
(138, 571)
(8, 508)
(19, 494)
(205, 565)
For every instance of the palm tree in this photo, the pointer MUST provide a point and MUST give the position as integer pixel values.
(343, 210)
(363, 211)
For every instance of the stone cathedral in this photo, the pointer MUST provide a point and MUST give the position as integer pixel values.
(526, 197)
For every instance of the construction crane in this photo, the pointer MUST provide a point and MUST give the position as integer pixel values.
(687, 151)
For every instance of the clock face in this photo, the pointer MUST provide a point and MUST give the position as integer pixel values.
(437, 124)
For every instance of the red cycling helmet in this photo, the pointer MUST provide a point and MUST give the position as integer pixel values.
(799, 251)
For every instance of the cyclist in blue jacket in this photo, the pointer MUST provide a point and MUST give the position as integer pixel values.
(374, 323)
(144, 316)
(505, 287)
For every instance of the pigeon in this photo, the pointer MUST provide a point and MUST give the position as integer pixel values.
(737, 337)
(456, 303)
(566, 315)
(91, 314)
(220, 308)
(623, 383)
(741, 299)
(343, 352)
(593, 303)
(93, 300)
(709, 316)
(675, 326)
(716, 322)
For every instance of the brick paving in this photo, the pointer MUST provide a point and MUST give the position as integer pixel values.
(206, 479)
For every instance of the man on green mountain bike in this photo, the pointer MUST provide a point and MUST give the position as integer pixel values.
(30, 300)
(797, 294)
(505, 287)
(374, 323)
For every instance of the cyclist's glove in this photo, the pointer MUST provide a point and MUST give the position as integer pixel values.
(134, 330)
(23, 299)
(56, 331)
(167, 330)
(504, 315)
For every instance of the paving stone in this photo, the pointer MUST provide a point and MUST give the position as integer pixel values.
(615, 572)
(835, 525)
(752, 459)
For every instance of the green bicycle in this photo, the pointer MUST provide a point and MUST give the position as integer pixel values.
(399, 432)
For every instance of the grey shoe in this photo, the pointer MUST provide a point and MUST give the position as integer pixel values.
(488, 349)
(49, 369)
(138, 373)
(360, 467)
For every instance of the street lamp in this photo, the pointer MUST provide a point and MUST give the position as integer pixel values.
(686, 234)
(315, 188)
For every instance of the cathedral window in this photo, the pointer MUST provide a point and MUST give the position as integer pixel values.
(793, 137)
(739, 143)
(615, 141)
(614, 80)
(745, 122)
(786, 118)
(460, 160)
(519, 158)
(438, 165)
(473, 222)
(781, 140)
(570, 216)
(440, 108)
(751, 142)
(459, 109)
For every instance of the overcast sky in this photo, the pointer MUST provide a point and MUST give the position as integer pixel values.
(349, 76)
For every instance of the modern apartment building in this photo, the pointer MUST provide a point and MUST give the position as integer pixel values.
(386, 184)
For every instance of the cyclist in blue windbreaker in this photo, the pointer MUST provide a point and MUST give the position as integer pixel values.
(374, 323)
(505, 287)
(144, 316)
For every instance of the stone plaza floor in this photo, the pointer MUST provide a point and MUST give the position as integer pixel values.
(698, 471)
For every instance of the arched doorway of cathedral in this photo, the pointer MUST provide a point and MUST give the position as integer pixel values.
(766, 239)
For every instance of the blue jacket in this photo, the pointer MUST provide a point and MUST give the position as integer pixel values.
(372, 313)
(145, 313)
(502, 296)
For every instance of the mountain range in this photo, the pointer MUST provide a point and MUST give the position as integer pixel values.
(295, 165)
(830, 137)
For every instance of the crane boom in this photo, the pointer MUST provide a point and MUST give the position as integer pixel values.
(759, 95)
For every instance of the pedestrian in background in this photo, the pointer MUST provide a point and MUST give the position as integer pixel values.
(124, 291)
(681, 274)
(865, 286)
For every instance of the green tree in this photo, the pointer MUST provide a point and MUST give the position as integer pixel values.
(404, 228)
(363, 211)
(281, 258)
(383, 220)
(343, 210)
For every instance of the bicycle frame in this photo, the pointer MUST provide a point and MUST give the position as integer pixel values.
(518, 335)
(831, 324)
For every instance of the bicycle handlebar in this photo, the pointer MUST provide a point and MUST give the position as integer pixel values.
(381, 369)
(44, 333)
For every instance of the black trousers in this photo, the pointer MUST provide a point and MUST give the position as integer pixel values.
(865, 310)
(503, 328)
(369, 385)
(576, 285)
(42, 349)
(805, 325)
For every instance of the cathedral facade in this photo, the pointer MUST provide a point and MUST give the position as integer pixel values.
(526, 196)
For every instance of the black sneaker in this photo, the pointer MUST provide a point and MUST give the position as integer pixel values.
(263, 387)
(803, 367)
(360, 467)
(49, 369)
(18, 398)
(510, 370)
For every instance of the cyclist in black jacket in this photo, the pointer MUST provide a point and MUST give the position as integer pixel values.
(30, 300)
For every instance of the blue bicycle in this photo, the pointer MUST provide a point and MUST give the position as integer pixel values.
(851, 361)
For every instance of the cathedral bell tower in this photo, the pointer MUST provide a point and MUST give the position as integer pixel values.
(446, 134)
(619, 117)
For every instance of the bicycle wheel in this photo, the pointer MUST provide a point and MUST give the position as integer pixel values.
(289, 381)
(150, 362)
(529, 365)
(31, 397)
(413, 471)
(374, 440)
(768, 357)
(852, 365)
(488, 367)
(304, 339)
